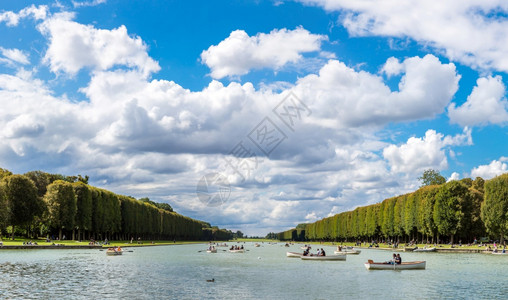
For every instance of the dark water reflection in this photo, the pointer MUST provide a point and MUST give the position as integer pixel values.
(180, 272)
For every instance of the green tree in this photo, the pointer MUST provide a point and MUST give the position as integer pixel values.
(431, 177)
(448, 213)
(84, 207)
(61, 202)
(22, 196)
(4, 209)
(494, 210)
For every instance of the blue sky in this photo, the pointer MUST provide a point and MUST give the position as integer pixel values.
(147, 97)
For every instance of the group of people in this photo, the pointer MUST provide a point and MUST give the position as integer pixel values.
(116, 249)
(320, 252)
(29, 243)
(211, 248)
(236, 248)
(397, 260)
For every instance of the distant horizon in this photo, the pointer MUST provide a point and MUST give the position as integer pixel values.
(255, 116)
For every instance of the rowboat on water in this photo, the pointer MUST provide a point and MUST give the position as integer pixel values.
(305, 247)
(348, 250)
(433, 249)
(293, 254)
(237, 251)
(256, 245)
(500, 253)
(212, 251)
(114, 251)
(324, 258)
(410, 265)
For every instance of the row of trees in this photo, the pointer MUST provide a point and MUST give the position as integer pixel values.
(446, 212)
(39, 203)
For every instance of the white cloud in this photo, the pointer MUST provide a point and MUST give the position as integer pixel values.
(88, 3)
(392, 67)
(454, 176)
(13, 56)
(486, 104)
(240, 53)
(463, 30)
(73, 46)
(12, 18)
(495, 168)
(419, 154)
(341, 96)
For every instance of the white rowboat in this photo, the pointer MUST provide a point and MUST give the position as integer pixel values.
(347, 251)
(324, 258)
(500, 253)
(237, 251)
(433, 249)
(410, 265)
(212, 251)
(294, 254)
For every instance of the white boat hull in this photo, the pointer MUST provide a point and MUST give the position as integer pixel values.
(111, 253)
(211, 251)
(348, 252)
(425, 250)
(324, 258)
(237, 251)
(500, 253)
(411, 265)
(293, 254)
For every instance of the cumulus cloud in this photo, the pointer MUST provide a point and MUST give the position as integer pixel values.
(419, 154)
(495, 168)
(485, 105)
(454, 176)
(240, 53)
(73, 46)
(342, 96)
(12, 18)
(467, 32)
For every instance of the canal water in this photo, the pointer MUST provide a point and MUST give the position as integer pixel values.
(181, 272)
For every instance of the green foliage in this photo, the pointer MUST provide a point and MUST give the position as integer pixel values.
(4, 173)
(494, 211)
(4, 208)
(84, 206)
(22, 198)
(61, 202)
(449, 215)
(164, 206)
(431, 177)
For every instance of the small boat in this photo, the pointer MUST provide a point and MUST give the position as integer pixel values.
(257, 245)
(499, 253)
(237, 251)
(433, 249)
(410, 265)
(324, 258)
(348, 250)
(114, 251)
(305, 247)
(294, 254)
(212, 251)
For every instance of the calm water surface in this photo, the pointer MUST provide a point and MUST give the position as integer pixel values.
(180, 272)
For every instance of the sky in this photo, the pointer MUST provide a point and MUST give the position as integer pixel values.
(255, 115)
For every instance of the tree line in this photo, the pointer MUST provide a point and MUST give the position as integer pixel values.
(442, 212)
(42, 204)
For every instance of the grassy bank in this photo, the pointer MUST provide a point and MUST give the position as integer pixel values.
(42, 242)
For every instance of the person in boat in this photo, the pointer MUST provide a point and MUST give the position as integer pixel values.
(323, 253)
(339, 248)
(318, 252)
(241, 247)
(306, 252)
(398, 260)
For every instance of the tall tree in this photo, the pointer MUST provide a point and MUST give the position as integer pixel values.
(4, 208)
(431, 177)
(448, 213)
(494, 211)
(84, 207)
(61, 202)
(22, 196)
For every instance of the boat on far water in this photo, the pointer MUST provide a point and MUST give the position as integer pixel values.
(410, 265)
(347, 250)
(499, 253)
(237, 251)
(211, 251)
(433, 249)
(114, 251)
(324, 258)
(294, 254)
